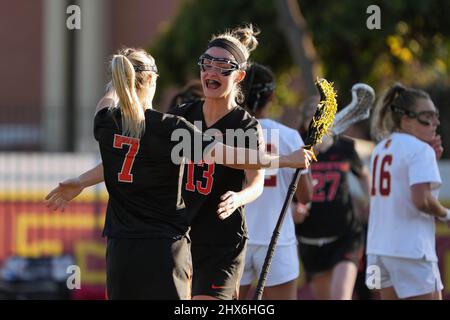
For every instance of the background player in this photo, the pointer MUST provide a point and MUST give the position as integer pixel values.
(403, 203)
(219, 232)
(263, 213)
(330, 233)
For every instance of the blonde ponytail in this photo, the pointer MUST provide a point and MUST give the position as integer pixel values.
(123, 81)
(391, 107)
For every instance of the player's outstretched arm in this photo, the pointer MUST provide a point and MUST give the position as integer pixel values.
(240, 158)
(69, 189)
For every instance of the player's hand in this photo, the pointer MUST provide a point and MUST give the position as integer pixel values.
(436, 144)
(67, 190)
(301, 158)
(300, 213)
(230, 202)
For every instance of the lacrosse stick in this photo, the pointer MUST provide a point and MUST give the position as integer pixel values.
(319, 126)
(363, 97)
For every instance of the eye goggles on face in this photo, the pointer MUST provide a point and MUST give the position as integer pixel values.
(221, 65)
(425, 118)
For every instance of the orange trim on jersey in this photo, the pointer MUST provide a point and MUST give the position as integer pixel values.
(213, 286)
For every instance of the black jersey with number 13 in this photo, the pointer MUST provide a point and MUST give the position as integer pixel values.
(204, 184)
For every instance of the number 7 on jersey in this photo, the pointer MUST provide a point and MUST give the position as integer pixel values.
(119, 141)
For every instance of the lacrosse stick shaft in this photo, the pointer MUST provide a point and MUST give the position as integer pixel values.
(276, 233)
(318, 127)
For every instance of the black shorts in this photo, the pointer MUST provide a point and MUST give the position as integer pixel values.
(316, 259)
(218, 269)
(157, 269)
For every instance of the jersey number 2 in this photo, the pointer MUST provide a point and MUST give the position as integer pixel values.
(385, 176)
(271, 180)
(125, 174)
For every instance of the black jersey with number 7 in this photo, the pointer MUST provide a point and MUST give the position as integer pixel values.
(143, 182)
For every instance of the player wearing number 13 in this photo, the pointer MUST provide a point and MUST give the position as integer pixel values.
(403, 203)
(215, 195)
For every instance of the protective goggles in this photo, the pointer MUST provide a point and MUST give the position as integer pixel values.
(425, 118)
(221, 65)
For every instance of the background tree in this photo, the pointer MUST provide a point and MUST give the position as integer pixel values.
(412, 45)
(182, 42)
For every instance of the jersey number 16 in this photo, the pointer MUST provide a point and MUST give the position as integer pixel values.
(384, 178)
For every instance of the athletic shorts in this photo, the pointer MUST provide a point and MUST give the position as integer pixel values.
(156, 269)
(408, 277)
(218, 270)
(320, 258)
(283, 268)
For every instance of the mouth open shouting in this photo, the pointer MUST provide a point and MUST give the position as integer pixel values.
(212, 84)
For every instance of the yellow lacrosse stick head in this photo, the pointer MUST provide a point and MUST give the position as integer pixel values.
(323, 118)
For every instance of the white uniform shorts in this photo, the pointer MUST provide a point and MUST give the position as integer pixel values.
(409, 277)
(283, 268)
